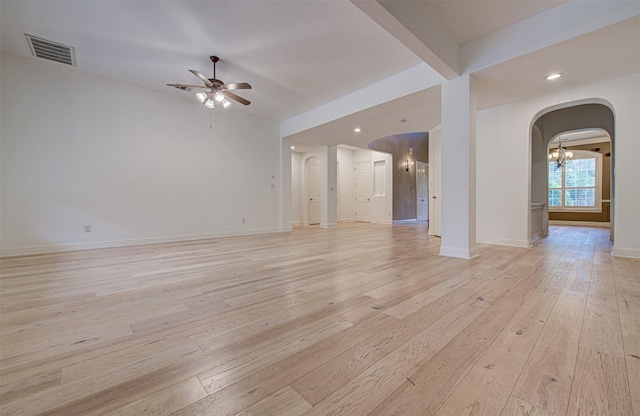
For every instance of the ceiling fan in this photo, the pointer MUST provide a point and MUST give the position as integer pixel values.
(218, 90)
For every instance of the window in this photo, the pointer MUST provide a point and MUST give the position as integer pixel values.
(576, 186)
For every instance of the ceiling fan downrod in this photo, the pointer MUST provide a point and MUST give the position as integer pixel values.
(214, 59)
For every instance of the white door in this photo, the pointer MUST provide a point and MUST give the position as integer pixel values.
(422, 191)
(363, 192)
(435, 182)
(314, 190)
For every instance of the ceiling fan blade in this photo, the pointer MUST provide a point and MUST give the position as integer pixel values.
(236, 97)
(182, 86)
(202, 77)
(238, 86)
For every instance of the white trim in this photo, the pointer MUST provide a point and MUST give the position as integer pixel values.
(504, 242)
(460, 253)
(632, 253)
(287, 229)
(581, 223)
(409, 221)
(333, 225)
(24, 251)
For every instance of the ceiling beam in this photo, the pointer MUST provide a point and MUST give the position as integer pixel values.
(561, 23)
(411, 23)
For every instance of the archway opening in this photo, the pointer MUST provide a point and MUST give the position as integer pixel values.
(594, 120)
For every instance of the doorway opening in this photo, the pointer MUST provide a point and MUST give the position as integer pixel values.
(571, 192)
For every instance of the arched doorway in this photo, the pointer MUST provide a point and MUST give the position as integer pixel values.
(549, 124)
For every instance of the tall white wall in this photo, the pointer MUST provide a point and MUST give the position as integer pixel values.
(135, 164)
(504, 163)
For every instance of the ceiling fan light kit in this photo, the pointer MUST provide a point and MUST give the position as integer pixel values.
(218, 90)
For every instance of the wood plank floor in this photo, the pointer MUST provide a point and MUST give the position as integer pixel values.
(362, 319)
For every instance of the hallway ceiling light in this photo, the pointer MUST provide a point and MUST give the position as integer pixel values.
(553, 76)
(357, 129)
(560, 155)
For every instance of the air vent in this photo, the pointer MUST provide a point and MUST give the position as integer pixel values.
(46, 49)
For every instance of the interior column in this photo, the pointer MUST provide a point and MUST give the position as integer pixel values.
(459, 168)
(328, 186)
(285, 185)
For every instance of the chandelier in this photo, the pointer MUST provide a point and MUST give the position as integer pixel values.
(560, 155)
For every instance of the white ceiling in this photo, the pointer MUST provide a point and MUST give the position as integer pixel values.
(299, 55)
(469, 20)
(608, 53)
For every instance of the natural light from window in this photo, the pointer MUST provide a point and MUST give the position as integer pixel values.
(575, 186)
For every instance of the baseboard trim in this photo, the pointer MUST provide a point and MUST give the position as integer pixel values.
(332, 225)
(26, 251)
(580, 223)
(632, 253)
(460, 253)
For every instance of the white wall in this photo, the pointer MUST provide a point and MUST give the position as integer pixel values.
(135, 164)
(504, 163)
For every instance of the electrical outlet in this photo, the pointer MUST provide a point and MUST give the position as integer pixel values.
(87, 228)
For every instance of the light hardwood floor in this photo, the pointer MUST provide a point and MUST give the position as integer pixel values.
(362, 319)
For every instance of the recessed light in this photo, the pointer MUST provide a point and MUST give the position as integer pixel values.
(293, 148)
(357, 129)
(402, 120)
(556, 75)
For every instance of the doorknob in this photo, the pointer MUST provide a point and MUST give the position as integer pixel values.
(433, 197)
